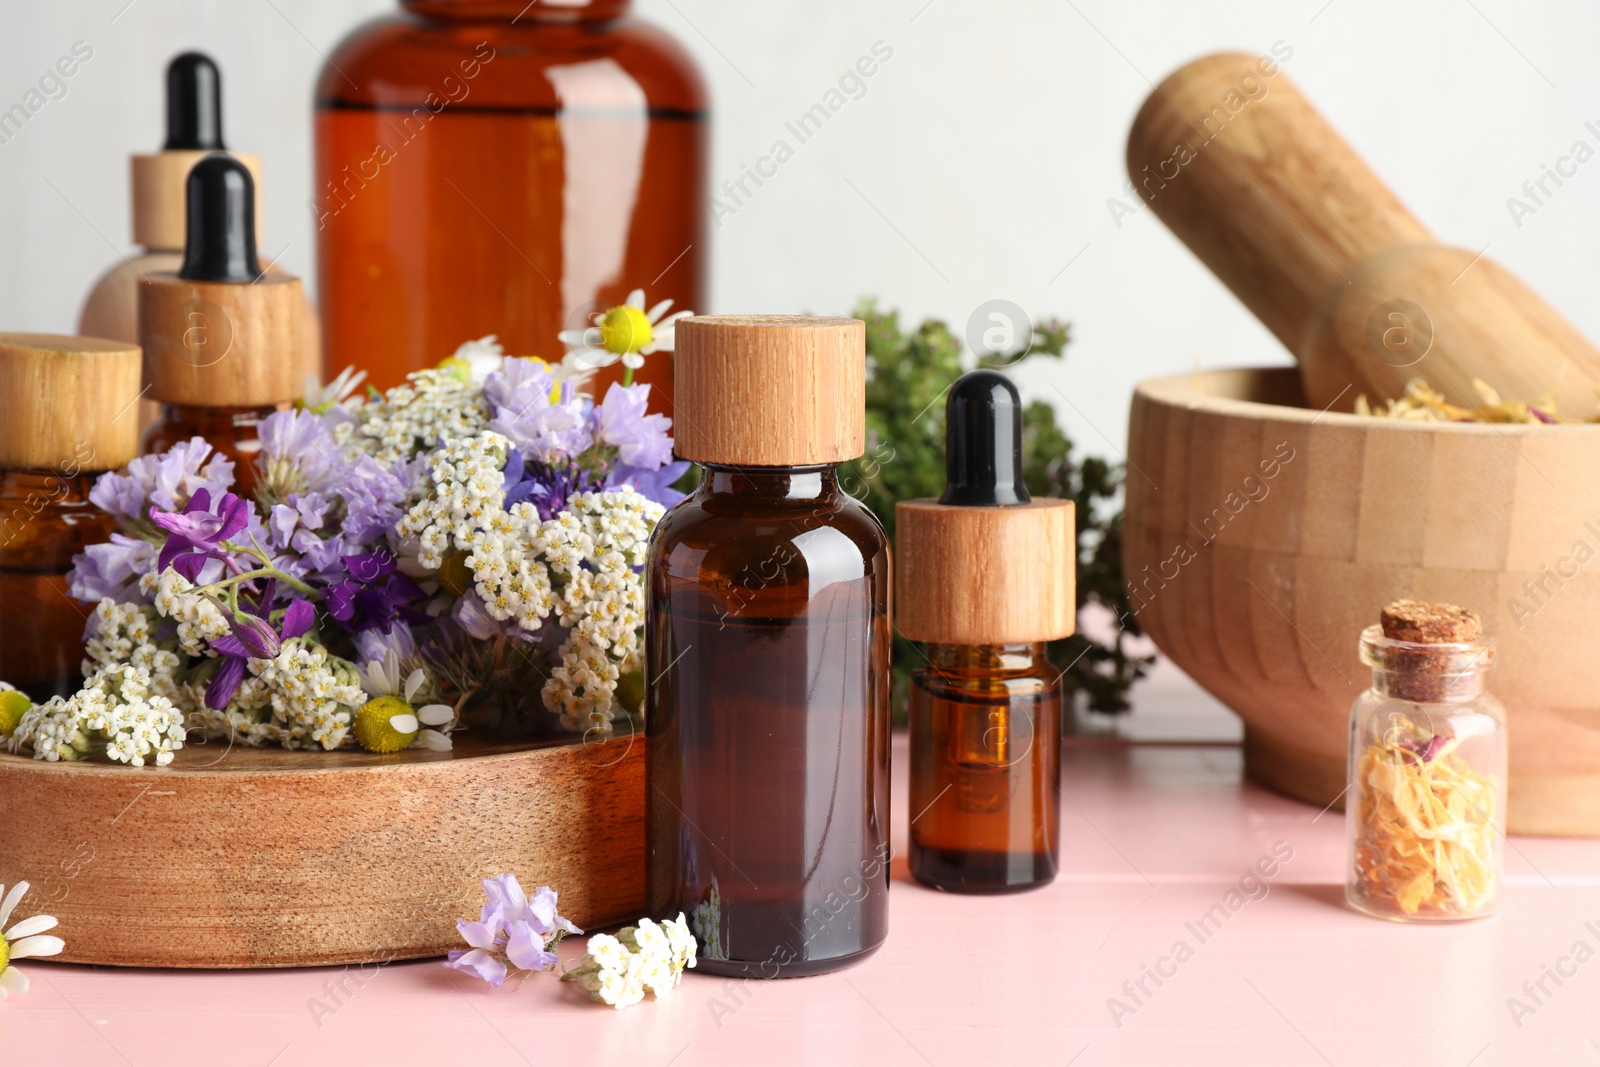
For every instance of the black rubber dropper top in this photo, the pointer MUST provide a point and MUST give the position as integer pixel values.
(220, 245)
(194, 104)
(983, 442)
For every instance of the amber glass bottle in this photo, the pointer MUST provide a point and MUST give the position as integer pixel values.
(768, 658)
(986, 576)
(986, 768)
(222, 339)
(70, 413)
(505, 167)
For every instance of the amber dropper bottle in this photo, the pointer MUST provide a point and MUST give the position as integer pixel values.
(985, 578)
(767, 678)
(221, 338)
(70, 414)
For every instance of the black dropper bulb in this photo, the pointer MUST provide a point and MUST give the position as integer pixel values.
(194, 104)
(983, 442)
(220, 245)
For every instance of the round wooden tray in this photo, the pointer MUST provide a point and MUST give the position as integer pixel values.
(243, 857)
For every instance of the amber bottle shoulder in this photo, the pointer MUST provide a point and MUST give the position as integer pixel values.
(403, 59)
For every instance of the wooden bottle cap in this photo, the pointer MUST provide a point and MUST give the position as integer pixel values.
(158, 195)
(69, 402)
(985, 575)
(222, 344)
(770, 390)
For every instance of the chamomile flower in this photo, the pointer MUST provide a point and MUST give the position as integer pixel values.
(388, 722)
(14, 704)
(647, 958)
(23, 939)
(321, 399)
(627, 332)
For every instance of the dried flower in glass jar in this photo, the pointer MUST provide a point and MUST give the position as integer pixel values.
(1426, 807)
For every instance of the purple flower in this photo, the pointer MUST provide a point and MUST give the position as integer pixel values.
(197, 533)
(111, 569)
(375, 645)
(511, 929)
(651, 484)
(521, 407)
(252, 636)
(298, 454)
(374, 594)
(546, 486)
(166, 481)
(374, 497)
(641, 439)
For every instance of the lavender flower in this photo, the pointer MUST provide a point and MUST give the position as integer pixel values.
(166, 481)
(298, 454)
(112, 569)
(511, 929)
(641, 439)
(374, 499)
(542, 417)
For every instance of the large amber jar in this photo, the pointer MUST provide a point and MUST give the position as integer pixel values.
(504, 167)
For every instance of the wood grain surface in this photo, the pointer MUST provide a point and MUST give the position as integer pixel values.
(220, 344)
(68, 402)
(985, 575)
(1261, 536)
(770, 390)
(236, 857)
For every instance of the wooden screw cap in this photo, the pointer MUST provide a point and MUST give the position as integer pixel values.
(69, 402)
(222, 344)
(158, 195)
(770, 390)
(985, 575)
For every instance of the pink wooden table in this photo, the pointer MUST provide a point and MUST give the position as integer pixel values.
(1158, 830)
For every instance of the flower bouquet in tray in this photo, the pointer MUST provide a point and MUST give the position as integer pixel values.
(447, 570)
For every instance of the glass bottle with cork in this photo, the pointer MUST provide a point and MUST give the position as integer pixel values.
(506, 167)
(222, 339)
(768, 635)
(69, 416)
(1426, 806)
(985, 577)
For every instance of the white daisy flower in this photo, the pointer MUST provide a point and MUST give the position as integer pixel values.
(482, 357)
(627, 332)
(26, 938)
(381, 679)
(321, 398)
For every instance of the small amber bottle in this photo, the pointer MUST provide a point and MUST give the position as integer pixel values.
(70, 414)
(986, 577)
(768, 636)
(221, 338)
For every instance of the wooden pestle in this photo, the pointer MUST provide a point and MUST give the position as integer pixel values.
(1239, 165)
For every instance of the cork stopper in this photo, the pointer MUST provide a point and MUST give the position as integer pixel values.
(219, 332)
(1428, 653)
(69, 402)
(1425, 623)
(770, 390)
(194, 131)
(985, 564)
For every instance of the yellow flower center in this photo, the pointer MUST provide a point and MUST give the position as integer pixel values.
(372, 727)
(458, 368)
(14, 704)
(454, 574)
(624, 329)
(5, 953)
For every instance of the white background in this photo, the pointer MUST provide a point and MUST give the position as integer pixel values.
(982, 155)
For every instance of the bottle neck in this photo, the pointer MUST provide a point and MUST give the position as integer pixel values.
(1018, 659)
(519, 11)
(66, 486)
(775, 483)
(1428, 686)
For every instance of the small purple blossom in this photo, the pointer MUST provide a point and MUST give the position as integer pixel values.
(112, 569)
(166, 481)
(641, 439)
(298, 453)
(253, 639)
(653, 485)
(519, 396)
(198, 533)
(374, 594)
(512, 929)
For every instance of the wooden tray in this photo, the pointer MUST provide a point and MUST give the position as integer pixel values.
(243, 857)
